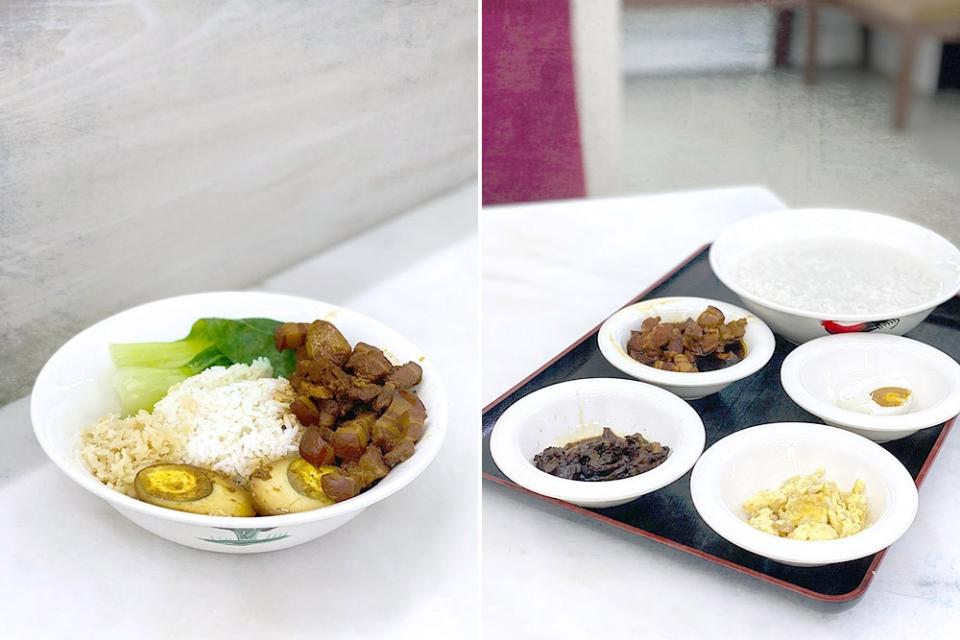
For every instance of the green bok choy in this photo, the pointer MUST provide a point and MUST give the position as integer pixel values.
(146, 370)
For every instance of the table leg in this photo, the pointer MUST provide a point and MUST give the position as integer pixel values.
(782, 37)
(908, 49)
(866, 47)
(813, 25)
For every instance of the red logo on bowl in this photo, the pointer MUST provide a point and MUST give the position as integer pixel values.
(836, 327)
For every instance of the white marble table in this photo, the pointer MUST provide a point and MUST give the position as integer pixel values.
(550, 273)
(71, 567)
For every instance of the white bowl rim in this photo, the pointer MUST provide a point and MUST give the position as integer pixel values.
(520, 470)
(793, 365)
(760, 345)
(731, 283)
(426, 450)
(735, 529)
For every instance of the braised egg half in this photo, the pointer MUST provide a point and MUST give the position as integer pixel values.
(877, 396)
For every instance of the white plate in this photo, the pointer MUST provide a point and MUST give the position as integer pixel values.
(561, 413)
(814, 374)
(615, 332)
(762, 457)
(74, 389)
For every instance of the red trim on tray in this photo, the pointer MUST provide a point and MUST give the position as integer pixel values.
(643, 533)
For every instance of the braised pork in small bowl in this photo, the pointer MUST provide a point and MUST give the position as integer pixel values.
(692, 347)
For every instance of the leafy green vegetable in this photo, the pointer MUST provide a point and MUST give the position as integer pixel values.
(246, 340)
(146, 370)
(141, 387)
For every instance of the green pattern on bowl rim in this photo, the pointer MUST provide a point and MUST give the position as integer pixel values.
(245, 537)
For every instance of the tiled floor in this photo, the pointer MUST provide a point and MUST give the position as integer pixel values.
(827, 145)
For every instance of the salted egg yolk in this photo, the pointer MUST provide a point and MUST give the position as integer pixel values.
(890, 396)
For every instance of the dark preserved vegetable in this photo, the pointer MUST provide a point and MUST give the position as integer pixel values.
(604, 457)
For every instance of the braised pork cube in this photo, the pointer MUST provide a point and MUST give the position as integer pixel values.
(656, 339)
(315, 391)
(666, 366)
(642, 357)
(326, 374)
(684, 363)
(368, 362)
(403, 419)
(692, 334)
(290, 335)
(324, 380)
(369, 468)
(339, 486)
(325, 341)
(649, 323)
(399, 453)
(675, 344)
(708, 343)
(305, 410)
(733, 330)
(326, 432)
(386, 434)
(416, 416)
(405, 376)
(359, 390)
(351, 437)
(384, 398)
(711, 318)
(315, 449)
(330, 412)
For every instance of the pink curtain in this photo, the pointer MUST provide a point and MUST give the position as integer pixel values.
(531, 135)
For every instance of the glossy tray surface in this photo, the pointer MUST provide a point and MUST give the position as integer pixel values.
(668, 515)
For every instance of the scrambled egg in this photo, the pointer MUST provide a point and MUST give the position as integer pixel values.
(809, 508)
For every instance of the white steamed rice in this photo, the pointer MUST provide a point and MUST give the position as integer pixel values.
(229, 419)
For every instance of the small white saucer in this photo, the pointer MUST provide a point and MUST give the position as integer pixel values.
(615, 332)
(577, 409)
(814, 374)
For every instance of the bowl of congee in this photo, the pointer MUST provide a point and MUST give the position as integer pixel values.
(815, 272)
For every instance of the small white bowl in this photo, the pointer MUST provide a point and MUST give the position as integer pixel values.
(561, 413)
(615, 332)
(762, 457)
(814, 374)
(799, 325)
(74, 389)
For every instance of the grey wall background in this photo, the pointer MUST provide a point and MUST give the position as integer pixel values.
(150, 149)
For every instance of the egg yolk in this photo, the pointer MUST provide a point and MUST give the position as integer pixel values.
(890, 396)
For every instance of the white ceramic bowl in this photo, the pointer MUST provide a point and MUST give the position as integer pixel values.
(561, 413)
(74, 389)
(815, 373)
(615, 332)
(762, 457)
(800, 325)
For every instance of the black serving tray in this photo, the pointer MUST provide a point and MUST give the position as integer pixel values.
(668, 515)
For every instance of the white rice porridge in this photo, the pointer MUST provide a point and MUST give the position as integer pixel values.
(841, 276)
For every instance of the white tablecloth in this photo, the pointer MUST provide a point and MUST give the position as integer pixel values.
(550, 273)
(71, 567)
